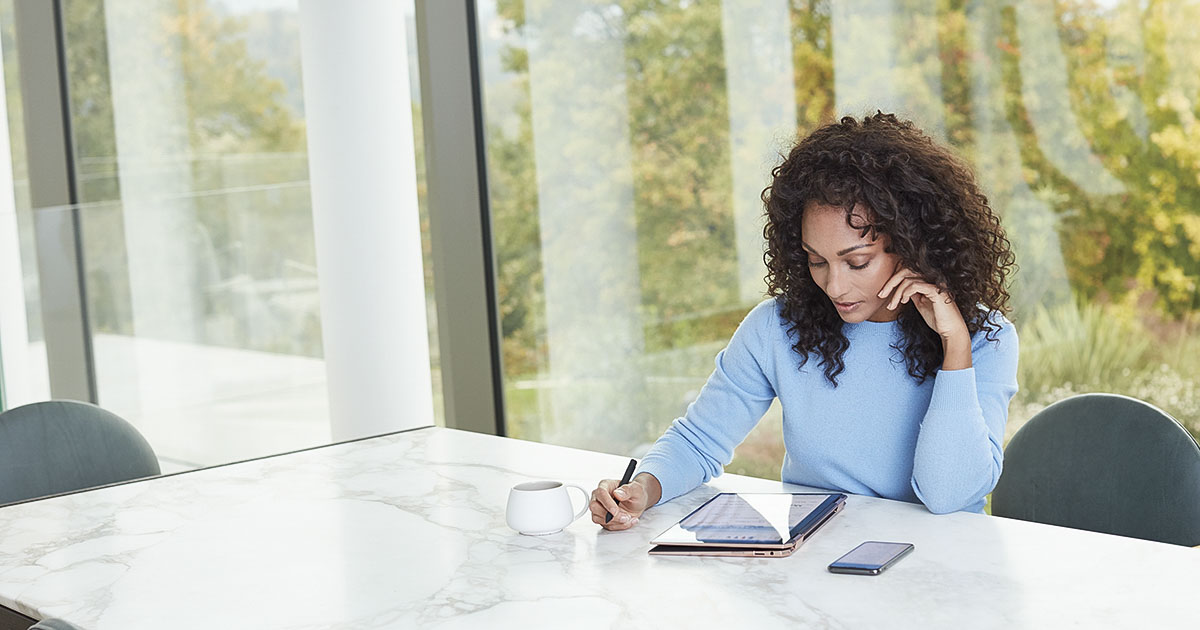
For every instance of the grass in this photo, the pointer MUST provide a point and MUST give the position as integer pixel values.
(1088, 347)
(1079, 345)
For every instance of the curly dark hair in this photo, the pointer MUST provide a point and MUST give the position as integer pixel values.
(919, 194)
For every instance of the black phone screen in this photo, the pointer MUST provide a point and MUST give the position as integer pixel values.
(870, 557)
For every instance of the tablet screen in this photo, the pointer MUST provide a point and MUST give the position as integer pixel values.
(749, 519)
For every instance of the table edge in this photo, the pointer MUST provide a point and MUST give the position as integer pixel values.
(214, 466)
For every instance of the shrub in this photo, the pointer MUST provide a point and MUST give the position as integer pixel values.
(1085, 347)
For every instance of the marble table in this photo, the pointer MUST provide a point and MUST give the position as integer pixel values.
(407, 531)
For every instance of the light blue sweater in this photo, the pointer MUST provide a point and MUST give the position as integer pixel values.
(878, 433)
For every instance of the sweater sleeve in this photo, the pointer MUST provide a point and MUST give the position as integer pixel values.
(959, 453)
(698, 446)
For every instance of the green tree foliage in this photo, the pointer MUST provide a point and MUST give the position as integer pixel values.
(1131, 76)
(1079, 117)
(513, 201)
(244, 159)
(681, 169)
(679, 133)
(235, 107)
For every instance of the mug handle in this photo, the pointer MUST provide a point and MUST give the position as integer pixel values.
(587, 500)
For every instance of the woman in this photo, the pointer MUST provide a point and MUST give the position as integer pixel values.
(884, 337)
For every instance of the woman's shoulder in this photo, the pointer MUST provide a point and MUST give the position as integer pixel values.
(761, 325)
(766, 315)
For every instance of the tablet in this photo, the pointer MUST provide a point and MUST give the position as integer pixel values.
(749, 524)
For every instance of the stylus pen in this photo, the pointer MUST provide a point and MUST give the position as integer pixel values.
(624, 480)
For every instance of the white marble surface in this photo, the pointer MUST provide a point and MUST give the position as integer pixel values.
(407, 531)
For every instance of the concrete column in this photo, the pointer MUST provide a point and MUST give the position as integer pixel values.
(362, 172)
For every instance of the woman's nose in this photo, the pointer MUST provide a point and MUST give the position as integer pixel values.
(834, 281)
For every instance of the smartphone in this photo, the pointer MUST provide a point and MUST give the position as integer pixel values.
(871, 558)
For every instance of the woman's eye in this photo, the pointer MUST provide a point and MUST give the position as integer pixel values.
(862, 266)
(814, 263)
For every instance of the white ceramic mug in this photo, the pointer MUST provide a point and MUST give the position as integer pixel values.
(537, 508)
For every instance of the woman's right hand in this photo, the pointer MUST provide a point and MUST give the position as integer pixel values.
(626, 503)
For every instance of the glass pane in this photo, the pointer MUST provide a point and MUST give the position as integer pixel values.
(24, 375)
(627, 144)
(191, 162)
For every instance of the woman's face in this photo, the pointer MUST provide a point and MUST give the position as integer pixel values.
(850, 268)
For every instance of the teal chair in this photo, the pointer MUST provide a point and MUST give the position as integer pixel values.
(62, 445)
(1104, 463)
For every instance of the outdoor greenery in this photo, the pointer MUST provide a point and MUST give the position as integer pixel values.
(1079, 117)
(242, 156)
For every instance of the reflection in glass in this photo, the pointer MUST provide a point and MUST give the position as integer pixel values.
(189, 139)
(197, 224)
(1046, 98)
(885, 57)
(730, 517)
(24, 373)
(586, 216)
(756, 518)
(762, 120)
(1078, 117)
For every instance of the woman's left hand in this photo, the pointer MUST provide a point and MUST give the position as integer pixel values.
(933, 303)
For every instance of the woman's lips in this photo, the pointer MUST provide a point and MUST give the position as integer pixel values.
(846, 307)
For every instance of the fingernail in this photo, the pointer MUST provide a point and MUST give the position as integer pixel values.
(624, 518)
(635, 521)
(619, 492)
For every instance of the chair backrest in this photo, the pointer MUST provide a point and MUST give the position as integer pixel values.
(63, 445)
(1104, 463)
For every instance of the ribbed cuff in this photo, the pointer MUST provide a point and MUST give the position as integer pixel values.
(661, 471)
(954, 390)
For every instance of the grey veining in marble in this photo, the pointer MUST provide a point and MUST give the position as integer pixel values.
(408, 531)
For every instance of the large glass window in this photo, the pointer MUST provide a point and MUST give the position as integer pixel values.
(627, 143)
(191, 163)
